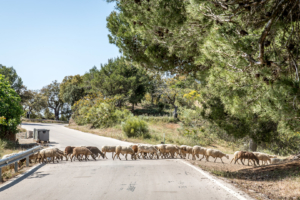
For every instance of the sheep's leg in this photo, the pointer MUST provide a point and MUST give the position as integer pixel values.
(207, 158)
(112, 154)
(202, 157)
(126, 156)
(242, 162)
(150, 156)
(231, 160)
(119, 156)
(222, 160)
(253, 162)
(215, 159)
(113, 157)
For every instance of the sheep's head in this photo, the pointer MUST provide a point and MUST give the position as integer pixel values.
(227, 156)
(102, 154)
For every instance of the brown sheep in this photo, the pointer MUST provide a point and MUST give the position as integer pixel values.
(68, 151)
(246, 155)
(135, 148)
(77, 151)
(95, 151)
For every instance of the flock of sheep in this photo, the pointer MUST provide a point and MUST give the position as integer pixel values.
(144, 151)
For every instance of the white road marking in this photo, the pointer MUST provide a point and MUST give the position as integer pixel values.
(215, 181)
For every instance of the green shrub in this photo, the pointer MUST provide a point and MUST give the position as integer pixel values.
(122, 115)
(189, 117)
(135, 127)
(101, 116)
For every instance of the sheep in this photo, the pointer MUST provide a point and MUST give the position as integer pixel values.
(162, 149)
(34, 156)
(46, 153)
(111, 149)
(11, 166)
(59, 154)
(235, 155)
(124, 150)
(135, 148)
(81, 151)
(263, 157)
(246, 155)
(215, 154)
(148, 149)
(198, 150)
(172, 149)
(166, 149)
(184, 149)
(68, 151)
(95, 151)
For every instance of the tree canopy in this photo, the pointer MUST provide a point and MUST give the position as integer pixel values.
(71, 89)
(118, 78)
(51, 93)
(10, 109)
(245, 54)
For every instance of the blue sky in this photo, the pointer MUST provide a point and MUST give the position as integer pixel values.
(46, 40)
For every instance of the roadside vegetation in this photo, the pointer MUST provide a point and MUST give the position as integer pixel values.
(220, 74)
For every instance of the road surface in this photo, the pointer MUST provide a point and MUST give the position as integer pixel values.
(107, 179)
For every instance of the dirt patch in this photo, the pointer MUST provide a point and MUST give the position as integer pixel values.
(172, 126)
(281, 181)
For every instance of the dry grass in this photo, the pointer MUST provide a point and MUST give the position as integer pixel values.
(280, 181)
(11, 173)
(21, 130)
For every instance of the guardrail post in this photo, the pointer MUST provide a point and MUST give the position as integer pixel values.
(27, 161)
(0, 174)
(16, 167)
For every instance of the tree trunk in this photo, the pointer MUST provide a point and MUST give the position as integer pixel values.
(175, 115)
(152, 99)
(132, 107)
(119, 104)
(252, 145)
(56, 114)
(157, 100)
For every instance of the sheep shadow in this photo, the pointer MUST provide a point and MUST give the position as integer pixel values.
(25, 176)
(272, 172)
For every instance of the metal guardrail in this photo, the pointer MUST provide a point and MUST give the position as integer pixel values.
(15, 158)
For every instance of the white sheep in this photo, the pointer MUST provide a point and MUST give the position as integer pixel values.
(197, 150)
(111, 149)
(124, 150)
(263, 157)
(11, 166)
(185, 150)
(144, 149)
(215, 154)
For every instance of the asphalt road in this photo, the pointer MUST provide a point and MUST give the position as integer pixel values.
(108, 179)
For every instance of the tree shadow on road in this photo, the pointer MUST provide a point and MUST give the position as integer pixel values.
(29, 174)
(35, 124)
